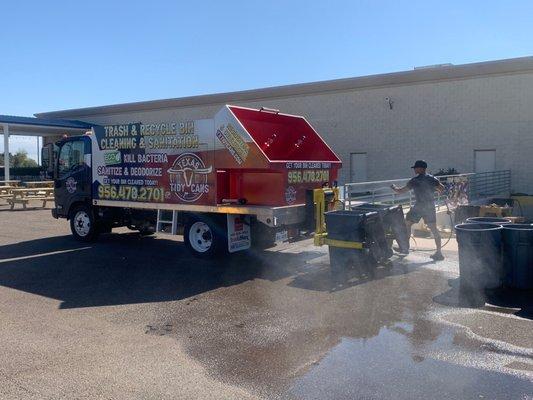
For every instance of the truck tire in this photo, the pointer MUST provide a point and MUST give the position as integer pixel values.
(82, 224)
(205, 235)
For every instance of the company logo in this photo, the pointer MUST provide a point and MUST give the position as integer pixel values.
(71, 183)
(290, 195)
(188, 177)
(112, 157)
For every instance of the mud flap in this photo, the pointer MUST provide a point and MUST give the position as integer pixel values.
(239, 232)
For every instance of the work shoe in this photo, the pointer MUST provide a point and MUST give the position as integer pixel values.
(400, 251)
(437, 256)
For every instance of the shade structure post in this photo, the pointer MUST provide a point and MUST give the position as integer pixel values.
(6, 152)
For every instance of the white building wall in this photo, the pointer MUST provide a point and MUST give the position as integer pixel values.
(442, 122)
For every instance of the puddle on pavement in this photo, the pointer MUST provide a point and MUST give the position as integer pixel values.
(393, 366)
(286, 329)
(490, 326)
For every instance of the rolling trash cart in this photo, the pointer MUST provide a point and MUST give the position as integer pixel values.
(393, 222)
(356, 238)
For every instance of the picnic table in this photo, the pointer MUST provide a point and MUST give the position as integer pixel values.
(5, 191)
(23, 196)
(40, 184)
(11, 182)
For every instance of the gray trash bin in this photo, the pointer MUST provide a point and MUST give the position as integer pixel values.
(480, 262)
(518, 255)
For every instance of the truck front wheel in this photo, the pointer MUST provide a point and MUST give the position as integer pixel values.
(205, 235)
(82, 224)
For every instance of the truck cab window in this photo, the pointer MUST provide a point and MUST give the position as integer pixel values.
(70, 158)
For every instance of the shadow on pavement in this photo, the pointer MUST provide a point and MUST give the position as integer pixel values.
(40, 246)
(517, 302)
(127, 268)
(321, 279)
(514, 299)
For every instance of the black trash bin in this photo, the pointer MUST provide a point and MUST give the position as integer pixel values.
(480, 261)
(353, 226)
(465, 211)
(518, 255)
(393, 222)
(488, 220)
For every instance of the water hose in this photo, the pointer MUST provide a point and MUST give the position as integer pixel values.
(448, 211)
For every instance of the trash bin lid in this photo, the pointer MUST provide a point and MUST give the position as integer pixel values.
(479, 227)
(490, 220)
(518, 227)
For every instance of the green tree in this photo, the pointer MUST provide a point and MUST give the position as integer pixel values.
(19, 160)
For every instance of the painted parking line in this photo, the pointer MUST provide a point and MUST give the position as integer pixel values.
(43, 254)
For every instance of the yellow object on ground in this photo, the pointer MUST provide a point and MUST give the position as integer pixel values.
(327, 199)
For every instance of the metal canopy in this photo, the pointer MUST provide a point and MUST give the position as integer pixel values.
(29, 126)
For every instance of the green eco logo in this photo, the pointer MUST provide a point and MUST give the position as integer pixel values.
(112, 157)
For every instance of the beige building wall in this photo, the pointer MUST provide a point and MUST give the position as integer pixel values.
(442, 121)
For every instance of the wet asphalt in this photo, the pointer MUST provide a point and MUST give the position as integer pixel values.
(131, 317)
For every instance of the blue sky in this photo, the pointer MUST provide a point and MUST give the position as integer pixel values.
(69, 54)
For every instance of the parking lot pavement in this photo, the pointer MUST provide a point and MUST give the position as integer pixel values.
(138, 318)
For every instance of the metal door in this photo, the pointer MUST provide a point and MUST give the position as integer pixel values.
(73, 173)
(358, 167)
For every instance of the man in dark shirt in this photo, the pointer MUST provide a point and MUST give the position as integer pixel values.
(424, 186)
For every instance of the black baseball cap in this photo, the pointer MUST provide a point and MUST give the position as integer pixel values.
(420, 164)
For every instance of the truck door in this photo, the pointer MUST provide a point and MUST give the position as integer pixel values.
(73, 176)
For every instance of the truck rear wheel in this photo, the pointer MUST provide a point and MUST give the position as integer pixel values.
(205, 235)
(82, 224)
